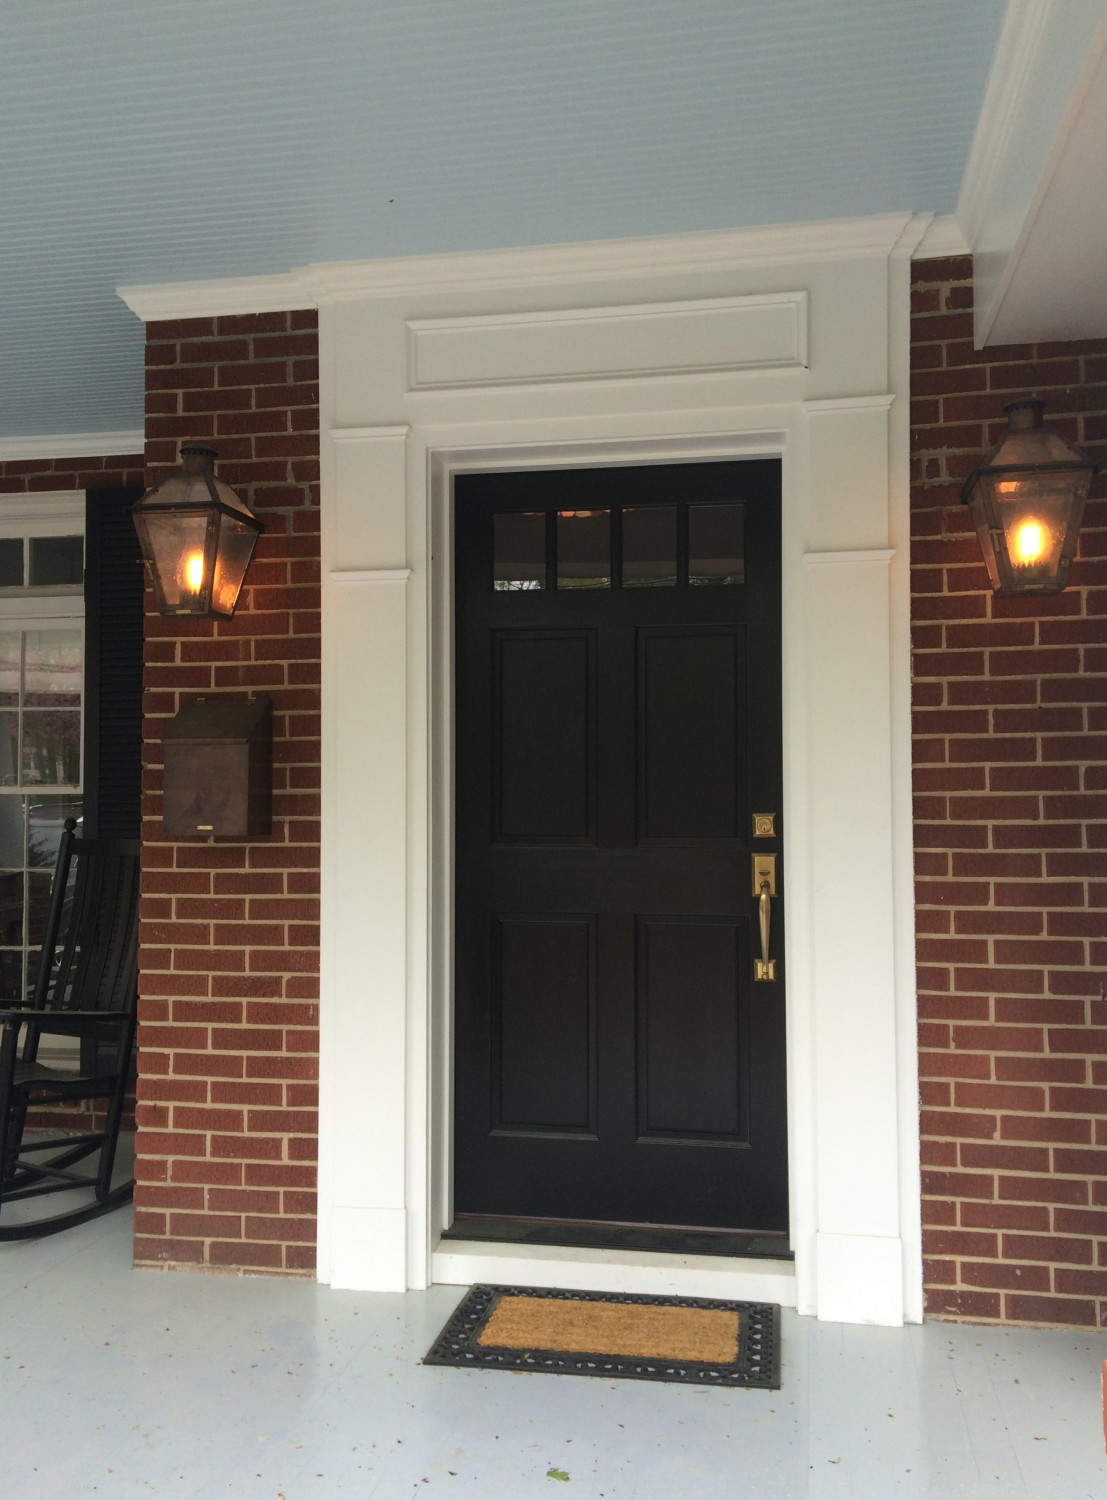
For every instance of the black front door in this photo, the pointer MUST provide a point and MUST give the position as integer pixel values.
(618, 727)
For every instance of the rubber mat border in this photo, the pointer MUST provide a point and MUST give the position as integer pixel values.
(757, 1365)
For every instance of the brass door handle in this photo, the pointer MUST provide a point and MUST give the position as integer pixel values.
(764, 888)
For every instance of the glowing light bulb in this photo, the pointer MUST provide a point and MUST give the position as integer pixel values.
(194, 571)
(1029, 542)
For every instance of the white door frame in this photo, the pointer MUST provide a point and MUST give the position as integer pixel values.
(467, 1262)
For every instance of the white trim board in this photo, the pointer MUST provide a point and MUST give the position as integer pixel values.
(74, 445)
(388, 456)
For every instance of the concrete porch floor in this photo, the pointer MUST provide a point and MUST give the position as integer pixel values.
(116, 1382)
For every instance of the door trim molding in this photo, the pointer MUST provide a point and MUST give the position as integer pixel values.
(385, 1031)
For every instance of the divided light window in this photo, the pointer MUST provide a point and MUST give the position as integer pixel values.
(630, 547)
(41, 711)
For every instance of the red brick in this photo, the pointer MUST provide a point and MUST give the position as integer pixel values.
(1004, 1216)
(156, 1249)
(1003, 1096)
(1066, 1311)
(1045, 1128)
(245, 1253)
(1043, 1190)
(986, 1156)
(1040, 1070)
(1001, 1275)
(947, 1302)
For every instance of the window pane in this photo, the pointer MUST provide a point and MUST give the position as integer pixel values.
(9, 668)
(9, 747)
(11, 833)
(715, 544)
(519, 551)
(11, 563)
(51, 747)
(52, 669)
(11, 910)
(57, 560)
(11, 977)
(46, 818)
(649, 547)
(38, 906)
(584, 549)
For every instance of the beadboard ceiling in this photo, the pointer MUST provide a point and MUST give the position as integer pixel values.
(146, 141)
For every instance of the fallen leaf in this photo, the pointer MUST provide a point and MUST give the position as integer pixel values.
(557, 1474)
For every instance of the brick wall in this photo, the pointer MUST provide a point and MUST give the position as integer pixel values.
(228, 1013)
(1011, 848)
(23, 476)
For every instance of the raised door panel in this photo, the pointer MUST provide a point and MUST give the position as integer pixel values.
(544, 1024)
(690, 759)
(691, 1025)
(544, 737)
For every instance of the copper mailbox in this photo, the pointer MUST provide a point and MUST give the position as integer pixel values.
(219, 768)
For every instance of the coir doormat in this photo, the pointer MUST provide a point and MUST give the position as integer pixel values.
(690, 1339)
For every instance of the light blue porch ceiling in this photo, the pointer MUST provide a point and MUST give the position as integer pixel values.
(146, 141)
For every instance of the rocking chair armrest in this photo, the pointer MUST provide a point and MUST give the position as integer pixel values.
(66, 1022)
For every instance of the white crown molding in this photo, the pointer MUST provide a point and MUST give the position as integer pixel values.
(230, 297)
(315, 285)
(73, 445)
(942, 238)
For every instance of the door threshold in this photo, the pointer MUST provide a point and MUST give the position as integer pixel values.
(588, 1234)
(592, 1269)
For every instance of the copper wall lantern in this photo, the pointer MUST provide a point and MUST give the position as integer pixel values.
(197, 538)
(1026, 503)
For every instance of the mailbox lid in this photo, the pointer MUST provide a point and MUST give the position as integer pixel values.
(215, 719)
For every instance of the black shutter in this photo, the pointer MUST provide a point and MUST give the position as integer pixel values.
(113, 666)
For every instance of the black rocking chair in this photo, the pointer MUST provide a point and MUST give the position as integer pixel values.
(86, 988)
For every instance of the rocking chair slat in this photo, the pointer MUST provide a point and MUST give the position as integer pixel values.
(86, 987)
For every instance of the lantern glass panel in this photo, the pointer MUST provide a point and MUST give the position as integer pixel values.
(1033, 521)
(235, 549)
(177, 543)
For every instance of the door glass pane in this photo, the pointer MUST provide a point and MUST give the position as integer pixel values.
(51, 747)
(11, 563)
(519, 551)
(52, 667)
(57, 560)
(584, 549)
(649, 547)
(715, 544)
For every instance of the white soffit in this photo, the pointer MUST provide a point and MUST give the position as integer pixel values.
(1034, 198)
